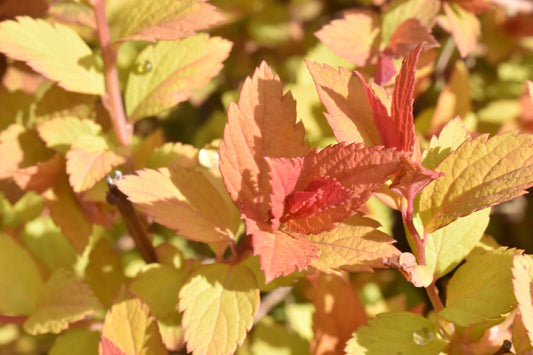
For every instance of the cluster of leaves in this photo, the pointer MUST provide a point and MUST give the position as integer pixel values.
(273, 232)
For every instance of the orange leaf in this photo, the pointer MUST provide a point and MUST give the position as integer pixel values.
(408, 35)
(262, 124)
(338, 314)
(464, 27)
(185, 200)
(41, 176)
(353, 37)
(522, 285)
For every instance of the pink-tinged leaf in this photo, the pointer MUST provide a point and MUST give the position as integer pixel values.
(412, 178)
(338, 314)
(354, 37)
(41, 176)
(481, 173)
(57, 52)
(359, 169)
(89, 160)
(280, 253)
(343, 93)
(131, 329)
(355, 246)
(284, 174)
(108, 348)
(522, 285)
(475, 6)
(183, 199)
(408, 35)
(464, 27)
(385, 70)
(64, 299)
(262, 124)
(219, 302)
(403, 133)
(165, 20)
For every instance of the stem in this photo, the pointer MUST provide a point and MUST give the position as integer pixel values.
(112, 100)
(433, 294)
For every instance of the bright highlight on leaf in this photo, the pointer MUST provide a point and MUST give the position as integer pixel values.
(60, 133)
(57, 52)
(130, 329)
(64, 299)
(219, 303)
(481, 289)
(178, 68)
(480, 173)
(165, 20)
(522, 285)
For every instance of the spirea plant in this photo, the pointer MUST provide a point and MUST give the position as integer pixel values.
(157, 198)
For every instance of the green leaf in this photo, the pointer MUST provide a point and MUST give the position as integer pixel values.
(167, 20)
(481, 289)
(178, 68)
(129, 328)
(76, 342)
(219, 303)
(480, 173)
(147, 285)
(46, 241)
(20, 280)
(450, 138)
(396, 333)
(64, 299)
(57, 52)
(447, 247)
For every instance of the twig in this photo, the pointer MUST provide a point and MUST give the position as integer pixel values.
(112, 99)
(271, 300)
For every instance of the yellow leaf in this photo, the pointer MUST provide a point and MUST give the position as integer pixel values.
(522, 285)
(59, 133)
(56, 52)
(219, 302)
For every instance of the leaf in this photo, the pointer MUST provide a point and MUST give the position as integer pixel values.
(481, 289)
(402, 135)
(280, 253)
(271, 337)
(45, 240)
(147, 287)
(356, 246)
(57, 102)
(452, 135)
(339, 90)
(399, 332)
(41, 176)
(76, 342)
(184, 200)
(353, 37)
(178, 68)
(165, 20)
(360, 169)
(104, 272)
(338, 313)
(219, 303)
(447, 247)
(89, 160)
(130, 329)
(401, 10)
(464, 27)
(61, 132)
(67, 212)
(20, 279)
(481, 173)
(412, 178)
(262, 124)
(57, 52)
(64, 299)
(522, 282)
(408, 35)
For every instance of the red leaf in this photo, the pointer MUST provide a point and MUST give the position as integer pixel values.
(402, 103)
(385, 70)
(280, 253)
(262, 124)
(412, 178)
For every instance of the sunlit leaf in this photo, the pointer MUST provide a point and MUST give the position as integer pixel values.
(177, 69)
(408, 35)
(522, 284)
(76, 342)
(482, 172)
(61, 132)
(63, 300)
(392, 333)
(219, 303)
(464, 26)
(20, 280)
(481, 289)
(56, 51)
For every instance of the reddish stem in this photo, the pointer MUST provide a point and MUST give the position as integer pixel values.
(112, 99)
(5, 319)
